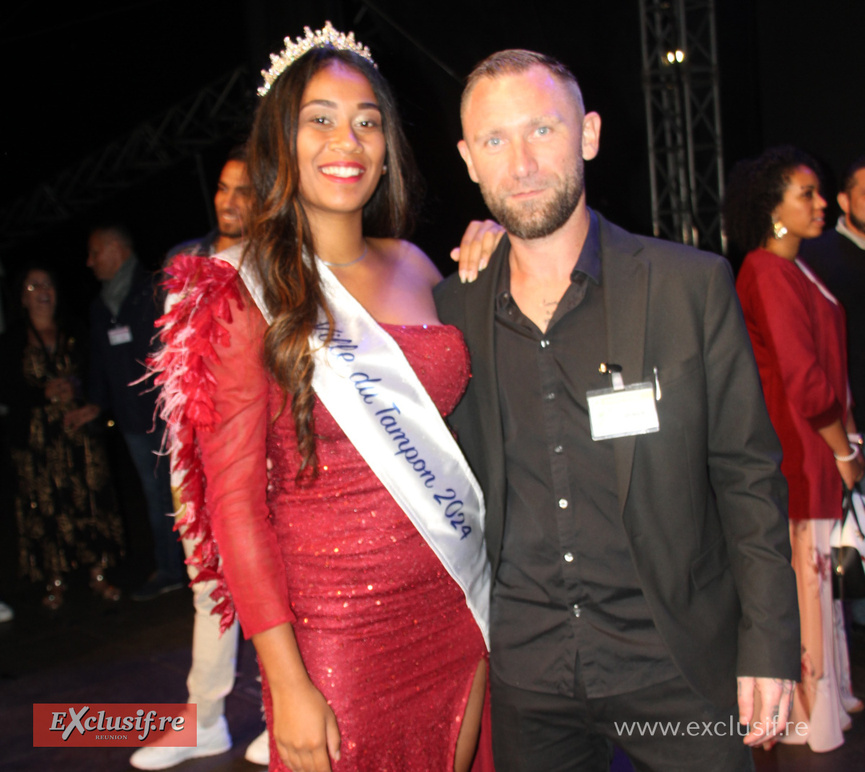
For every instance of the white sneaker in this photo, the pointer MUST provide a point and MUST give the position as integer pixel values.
(258, 751)
(212, 741)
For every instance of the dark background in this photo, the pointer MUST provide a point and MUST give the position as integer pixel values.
(85, 74)
(80, 76)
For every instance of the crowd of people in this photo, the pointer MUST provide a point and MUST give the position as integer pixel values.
(477, 523)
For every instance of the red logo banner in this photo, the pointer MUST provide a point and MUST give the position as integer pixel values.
(103, 725)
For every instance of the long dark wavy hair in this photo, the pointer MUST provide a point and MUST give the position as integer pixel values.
(280, 234)
(755, 187)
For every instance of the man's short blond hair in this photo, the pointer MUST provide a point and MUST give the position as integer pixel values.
(514, 61)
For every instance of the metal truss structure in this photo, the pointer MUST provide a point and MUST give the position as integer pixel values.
(214, 113)
(680, 85)
(683, 117)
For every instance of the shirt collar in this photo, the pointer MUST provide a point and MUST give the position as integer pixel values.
(844, 230)
(588, 263)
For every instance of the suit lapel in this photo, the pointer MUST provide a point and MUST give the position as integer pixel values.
(480, 312)
(480, 326)
(625, 278)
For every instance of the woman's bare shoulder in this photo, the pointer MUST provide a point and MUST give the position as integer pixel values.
(404, 256)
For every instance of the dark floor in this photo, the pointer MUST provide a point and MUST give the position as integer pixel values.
(90, 651)
(140, 652)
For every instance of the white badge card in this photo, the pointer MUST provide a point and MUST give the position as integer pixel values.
(119, 335)
(623, 412)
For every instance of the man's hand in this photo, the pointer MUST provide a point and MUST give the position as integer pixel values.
(775, 699)
(478, 244)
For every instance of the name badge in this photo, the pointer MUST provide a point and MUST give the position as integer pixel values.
(623, 412)
(119, 335)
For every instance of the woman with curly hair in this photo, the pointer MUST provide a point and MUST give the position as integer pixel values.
(798, 333)
(305, 377)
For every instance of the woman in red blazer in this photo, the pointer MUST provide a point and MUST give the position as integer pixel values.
(798, 333)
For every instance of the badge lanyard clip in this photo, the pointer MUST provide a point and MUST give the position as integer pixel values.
(615, 373)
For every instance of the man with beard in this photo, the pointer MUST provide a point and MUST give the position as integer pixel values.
(838, 258)
(230, 203)
(211, 676)
(635, 507)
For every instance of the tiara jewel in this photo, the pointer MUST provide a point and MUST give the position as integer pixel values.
(321, 38)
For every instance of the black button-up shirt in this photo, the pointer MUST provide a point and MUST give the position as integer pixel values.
(567, 600)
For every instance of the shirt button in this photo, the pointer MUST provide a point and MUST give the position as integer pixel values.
(577, 610)
(569, 557)
(558, 449)
(544, 343)
(550, 396)
(563, 503)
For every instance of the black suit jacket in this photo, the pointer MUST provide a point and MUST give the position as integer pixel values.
(703, 501)
(114, 369)
(840, 264)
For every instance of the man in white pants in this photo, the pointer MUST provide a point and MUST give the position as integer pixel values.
(211, 676)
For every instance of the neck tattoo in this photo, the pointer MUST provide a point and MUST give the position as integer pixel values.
(549, 307)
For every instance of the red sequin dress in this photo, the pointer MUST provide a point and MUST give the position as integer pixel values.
(383, 630)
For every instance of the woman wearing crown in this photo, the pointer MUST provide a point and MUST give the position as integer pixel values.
(304, 378)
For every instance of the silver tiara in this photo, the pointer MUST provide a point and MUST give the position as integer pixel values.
(321, 38)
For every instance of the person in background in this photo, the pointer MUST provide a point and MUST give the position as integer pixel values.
(773, 203)
(211, 676)
(838, 259)
(64, 504)
(231, 205)
(121, 329)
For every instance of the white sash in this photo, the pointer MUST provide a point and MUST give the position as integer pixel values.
(368, 386)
